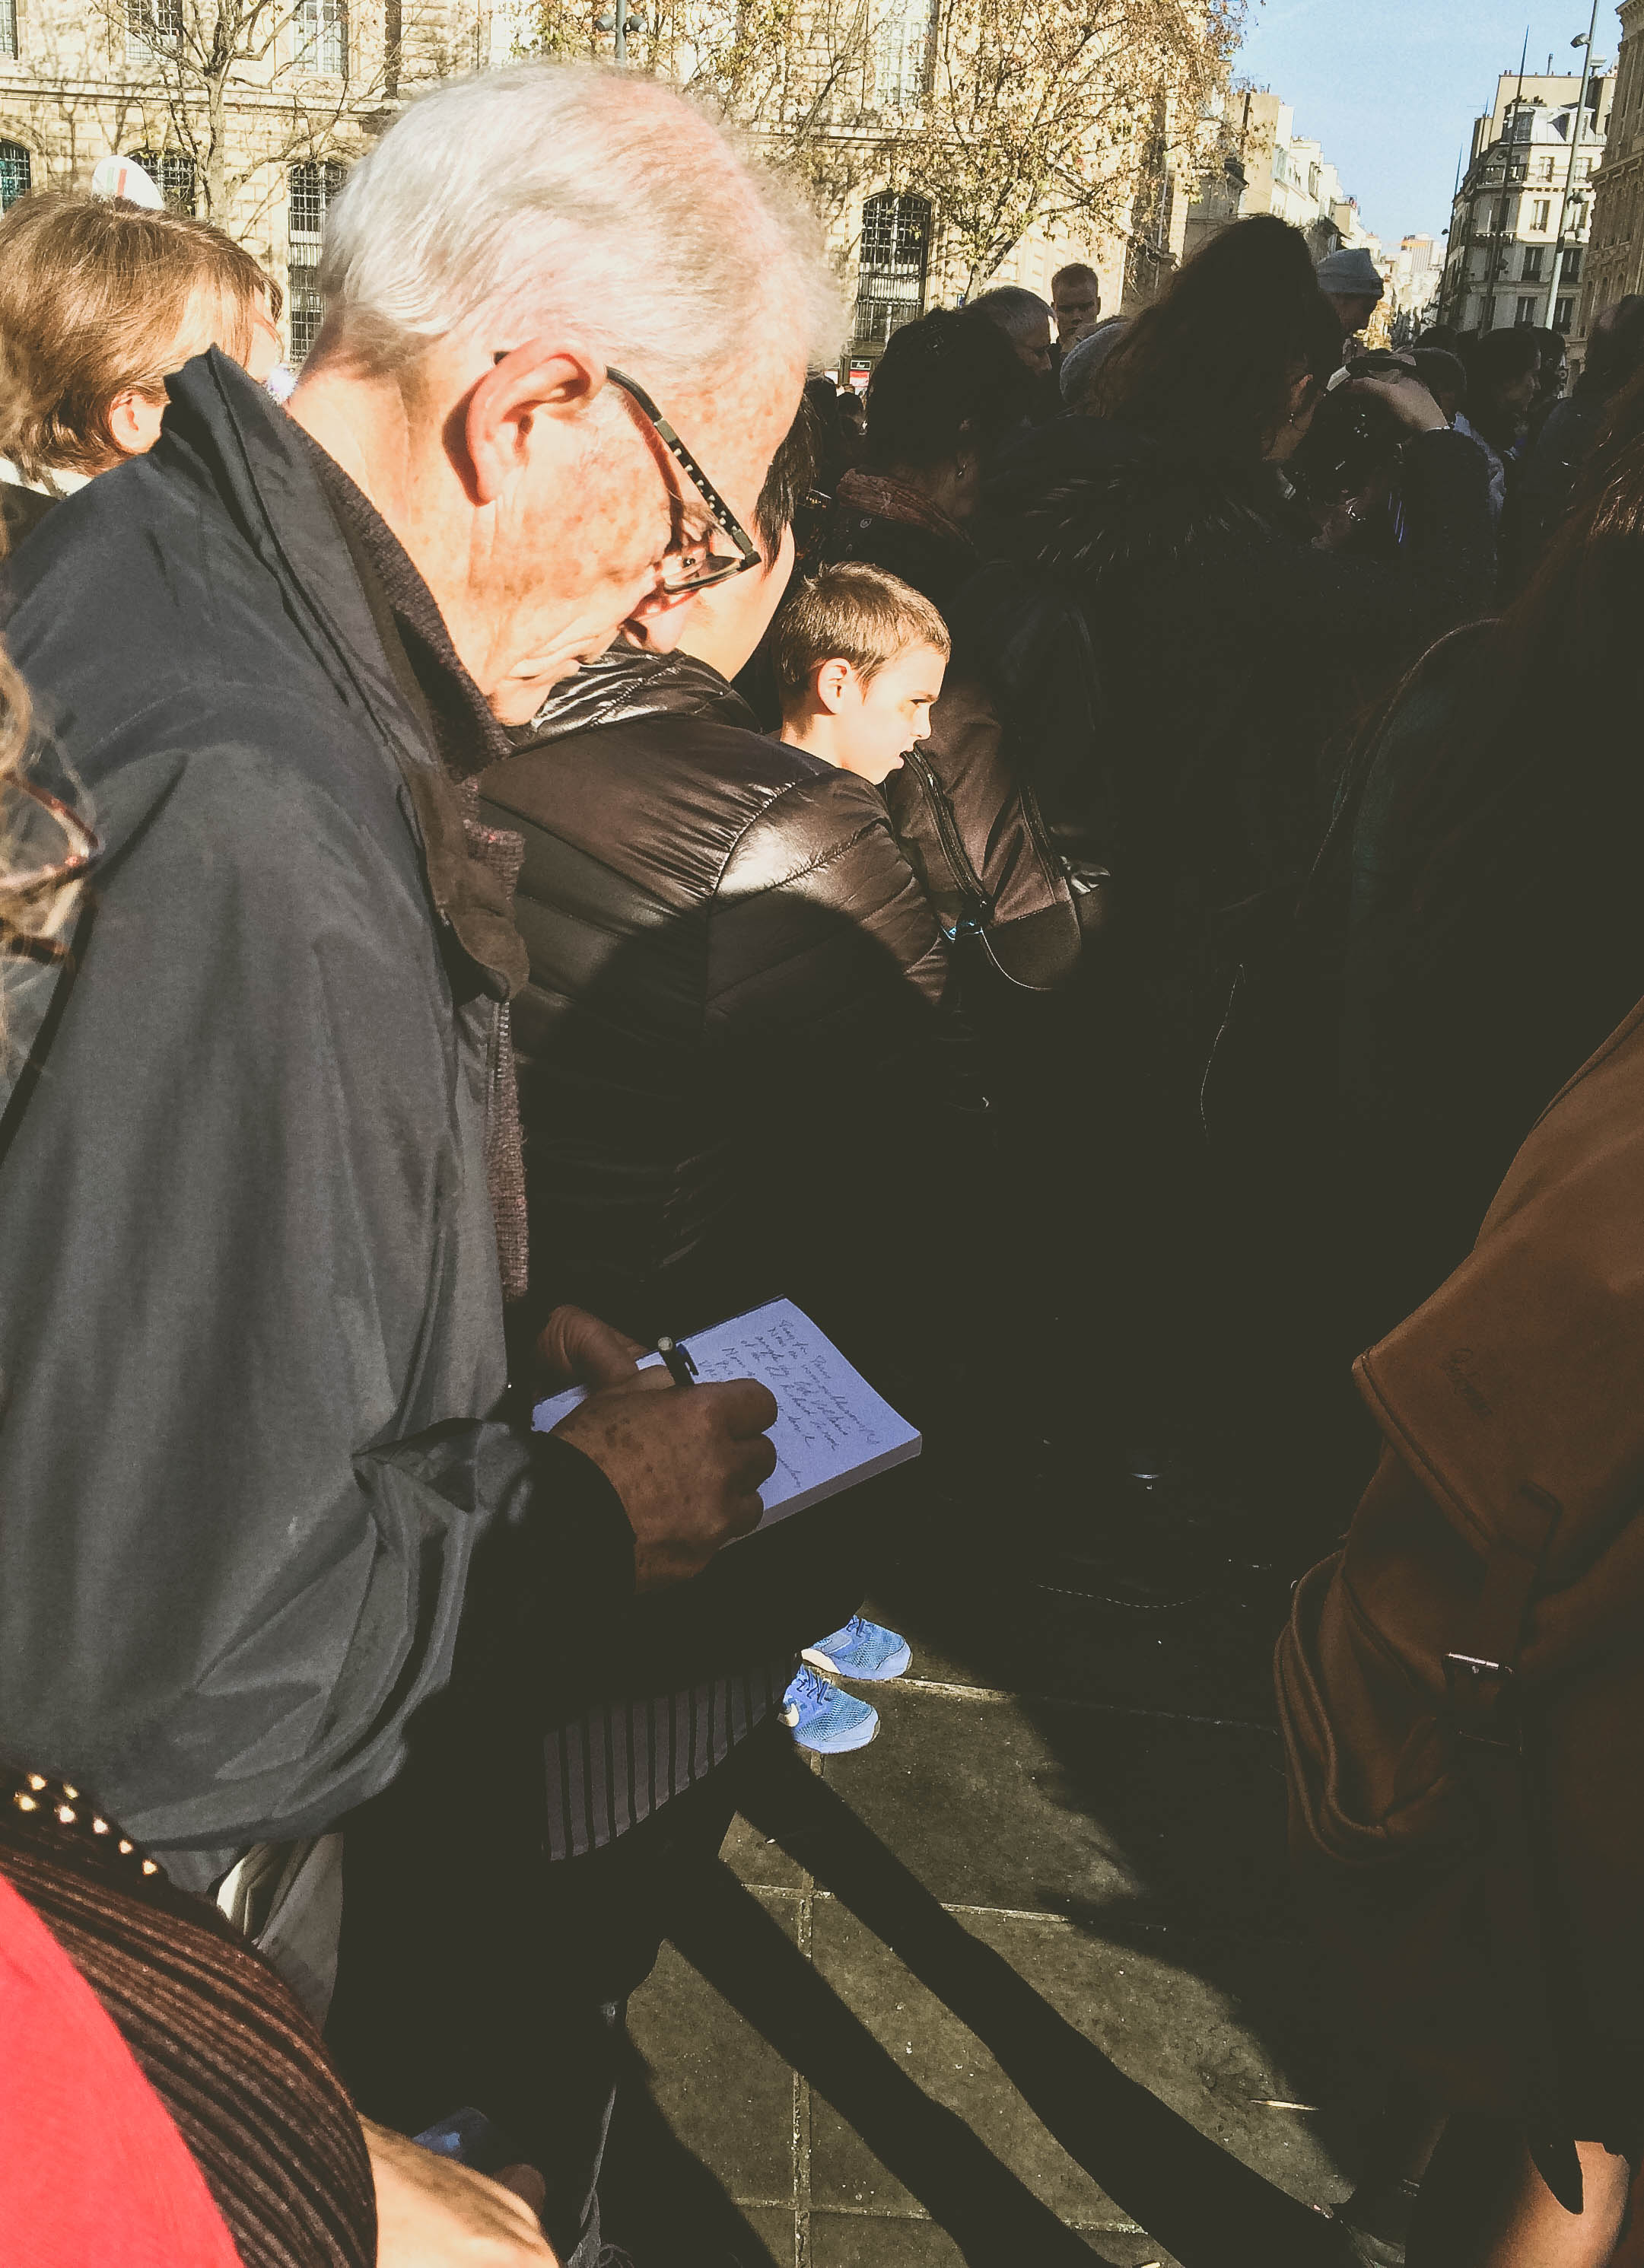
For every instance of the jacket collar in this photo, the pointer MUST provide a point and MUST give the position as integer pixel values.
(628, 683)
(262, 466)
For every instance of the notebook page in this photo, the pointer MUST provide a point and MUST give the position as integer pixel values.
(832, 1429)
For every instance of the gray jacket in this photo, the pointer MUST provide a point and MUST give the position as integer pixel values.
(253, 1451)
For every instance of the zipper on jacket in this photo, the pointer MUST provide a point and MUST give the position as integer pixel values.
(975, 904)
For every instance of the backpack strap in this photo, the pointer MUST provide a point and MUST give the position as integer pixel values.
(1488, 1727)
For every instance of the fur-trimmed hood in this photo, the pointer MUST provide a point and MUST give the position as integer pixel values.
(1087, 498)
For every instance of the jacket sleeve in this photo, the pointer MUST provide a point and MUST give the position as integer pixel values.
(251, 1342)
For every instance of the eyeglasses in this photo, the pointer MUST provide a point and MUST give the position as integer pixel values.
(689, 576)
(48, 847)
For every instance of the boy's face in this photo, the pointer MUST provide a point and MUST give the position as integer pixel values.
(890, 713)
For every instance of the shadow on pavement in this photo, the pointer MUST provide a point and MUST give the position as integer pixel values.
(1181, 2188)
(732, 1942)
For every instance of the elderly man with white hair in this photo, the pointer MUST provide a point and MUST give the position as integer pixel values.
(265, 1488)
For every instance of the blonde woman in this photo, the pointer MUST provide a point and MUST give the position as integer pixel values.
(99, 301)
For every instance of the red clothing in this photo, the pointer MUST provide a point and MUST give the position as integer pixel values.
(91, 2167)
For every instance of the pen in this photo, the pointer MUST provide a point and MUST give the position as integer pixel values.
(680, 1369)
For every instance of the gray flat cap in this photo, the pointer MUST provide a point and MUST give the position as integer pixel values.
(1350, 275)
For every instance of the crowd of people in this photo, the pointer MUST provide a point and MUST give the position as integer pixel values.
(550, 833)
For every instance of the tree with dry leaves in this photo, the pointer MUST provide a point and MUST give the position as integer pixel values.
(1006, 114)
(1061, 114)
(799, 72)
(233, 91)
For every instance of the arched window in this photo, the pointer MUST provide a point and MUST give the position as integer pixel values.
(311, 187)
(171, 172)
(17, 173)
(891, 267)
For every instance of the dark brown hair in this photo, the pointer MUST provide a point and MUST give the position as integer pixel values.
(951, 380)
(1207, 368)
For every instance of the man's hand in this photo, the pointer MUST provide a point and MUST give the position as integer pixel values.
(687, 1462)
(433, 2213)
(577, 1349)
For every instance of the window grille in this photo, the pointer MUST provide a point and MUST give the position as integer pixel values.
(8, 27)
(173, 174)
(303, 303)
(152, 28)
(891, 266)
(17, 173)
(902, 56)
(321, 27)
(311, 187)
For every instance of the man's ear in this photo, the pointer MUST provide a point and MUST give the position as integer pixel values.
(539, 380)
(832, 680)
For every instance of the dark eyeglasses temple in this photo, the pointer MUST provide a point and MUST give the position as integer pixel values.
(724, 518)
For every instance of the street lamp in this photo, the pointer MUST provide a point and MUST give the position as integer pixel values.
(1584, 41)
(617, 22)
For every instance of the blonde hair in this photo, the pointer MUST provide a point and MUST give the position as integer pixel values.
(97, 296)
(29, 912)
(852, 612)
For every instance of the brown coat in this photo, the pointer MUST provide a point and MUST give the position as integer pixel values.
(1501, 1528)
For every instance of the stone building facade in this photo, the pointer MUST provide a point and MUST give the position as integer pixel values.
(85, 79)
(1614, 256)
(1527, 193)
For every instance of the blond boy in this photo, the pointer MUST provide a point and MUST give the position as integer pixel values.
(858, 657)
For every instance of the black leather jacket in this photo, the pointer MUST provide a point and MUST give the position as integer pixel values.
(731, 961)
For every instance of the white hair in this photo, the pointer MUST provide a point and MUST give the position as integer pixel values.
(570, 190)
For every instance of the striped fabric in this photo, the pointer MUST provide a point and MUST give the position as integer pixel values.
(607, 1770)
(224, 2046)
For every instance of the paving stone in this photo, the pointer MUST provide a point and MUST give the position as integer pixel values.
(1057, 1809)
(842, 2240)
(985, 2050)
(760, 1861)
(1214, 1658)
(727, 2095)
(776, 2231)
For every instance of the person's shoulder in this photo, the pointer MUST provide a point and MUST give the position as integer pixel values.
(671, 770)
(138, 585)
(665, 802)
(819, 831)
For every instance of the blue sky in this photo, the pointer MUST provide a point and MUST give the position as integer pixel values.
(1391, 87)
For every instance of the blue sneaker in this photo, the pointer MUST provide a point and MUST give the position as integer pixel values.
(862, 1649)
(822, 1719)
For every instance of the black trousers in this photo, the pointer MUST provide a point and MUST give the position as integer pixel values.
(475, 1970)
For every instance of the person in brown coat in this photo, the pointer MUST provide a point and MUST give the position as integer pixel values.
(1462, 1695)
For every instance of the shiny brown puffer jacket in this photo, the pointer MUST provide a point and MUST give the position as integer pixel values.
(733, 972)
(1462, 1687)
